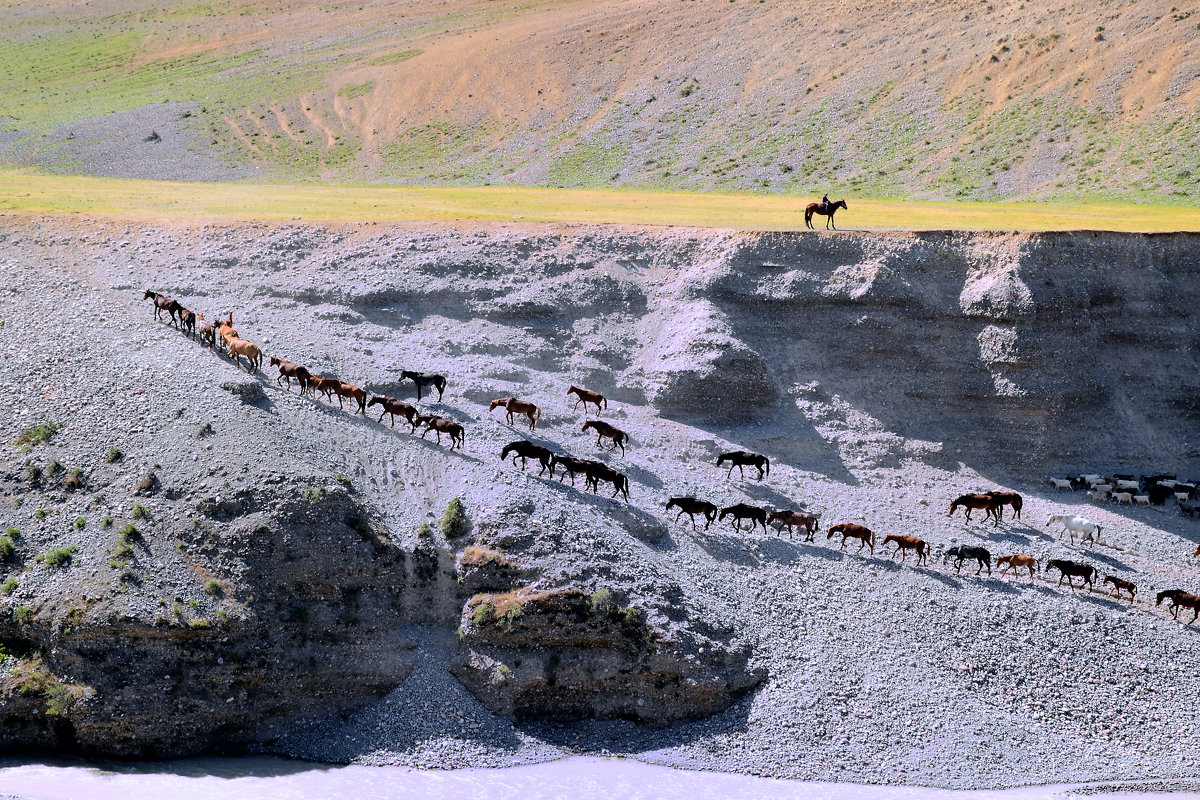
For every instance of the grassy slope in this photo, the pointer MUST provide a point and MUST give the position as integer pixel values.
(1081, 100)
(33, 194)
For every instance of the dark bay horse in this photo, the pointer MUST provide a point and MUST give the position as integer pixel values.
(1180, 599)
(743, 458)
(422, 380)
(815, 208)
(691, 506)
(525, 450)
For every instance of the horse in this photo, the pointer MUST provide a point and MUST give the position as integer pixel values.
(604, 430)
(393, 406)
(352, 393)
(1179, 598)
(514, 406)
(791, 519)
(1073, 525)
(851, 530)
(421, 380)
(1121, 583)
(1015, 562)
(327, 387)
(1072, 569)
(974, 501)
(525, 450)
(441, 425)
(597, 471)
(208, 333)
(741, 511)
(1007, 499)
(961, 552)
(289, 370)
(816, 208)
(585, 397)
(163, 303)
(906, 543)
(187, 321)
(741, 458)
(240, 347)
(225, 330)
(691, 506)
(570, 466)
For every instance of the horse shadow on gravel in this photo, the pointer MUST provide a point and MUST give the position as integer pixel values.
(727, 547)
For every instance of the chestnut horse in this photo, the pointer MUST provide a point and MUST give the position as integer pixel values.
(354, 395)
(208, 334)
(514, 406)
(604, 430)
(240, 347)
(225, 330)
(792, 519)
(163, 303)
(1121, 583)
(393, 406)
(327, 387)
(1179, 598)
(906, 543)
(976, 501)
(1016, 562)
(289, 370)
(585, 397)
(442, 425)
(741, 458)
(691, 506)
(851, 530)
(817, 208)
(525, 450)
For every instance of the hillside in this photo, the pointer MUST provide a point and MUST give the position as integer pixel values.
(884, 98)
(279, 591)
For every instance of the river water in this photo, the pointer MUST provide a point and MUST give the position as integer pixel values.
(578, 778)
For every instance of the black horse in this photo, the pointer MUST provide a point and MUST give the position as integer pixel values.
(742, 458)
(422, 380)
(741, 511)
(967, 552)
(525, 450)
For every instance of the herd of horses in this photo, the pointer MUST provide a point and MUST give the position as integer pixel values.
(222, 336)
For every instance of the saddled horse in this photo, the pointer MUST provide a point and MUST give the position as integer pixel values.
(852, 530)
(163, 303)
(605, 431)
(1007, 499)
(793, 519)
(906, 543)
(1015, 562)
(965, 552)
(514, 406)
(817, 208)
(422, 380)
(691, 506)
(396, 407)
(975, 501)
(741, 511)
(742, 458)
(525, 450)
(1071, 570)
(585, 397)
(1180, 598)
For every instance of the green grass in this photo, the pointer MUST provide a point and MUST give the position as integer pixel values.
(9, 586)
(58, 556)
(37, 435)
(394, 58)
(31, 193)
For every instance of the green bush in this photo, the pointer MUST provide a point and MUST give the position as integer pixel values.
(130, 532)
(52, 468)
(138, 512)
(33, 473)
(12, 532)
(106, 522)
(38, 434)
(58, 556)
(7, 548)
(454, 522)
(114, 455)
(342, 479)
(22, 615)
(40, 513)
(9, 586)
(74, 480)
(213, 587)
(79, 523)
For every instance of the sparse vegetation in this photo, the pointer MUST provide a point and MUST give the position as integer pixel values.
(7, 548)
(478, 556)
(213, 587)
(80, 523)
(454, 523)
(138, 512)
(106, 521)
(57, 557)
(37, 435)
(114, 455)
(40, 513)
(22, 615)
(74, 480)
(52, 468)
(10, 585)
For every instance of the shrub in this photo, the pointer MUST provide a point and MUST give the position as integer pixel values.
(59, 700)
(12, 532)
(79, 523)
(9, 586)
(33, 473)
(130, 532)
(114, 455)
(52, 468)
(106, 522)
(601, 600)
(454, 522)
(213, 587)
(138, 512)
(199, 623)
(120, 550)
(425, 531)
(22, 615)
(477, 556)
(74, 480)
(342, 479)
(6, 548)
(37, 435)
(40, 513)
(58, 556)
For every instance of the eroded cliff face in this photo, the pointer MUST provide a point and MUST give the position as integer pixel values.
(283, 548)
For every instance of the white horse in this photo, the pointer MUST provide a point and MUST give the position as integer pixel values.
(1073, 525)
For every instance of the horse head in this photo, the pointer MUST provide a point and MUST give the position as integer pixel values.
(149, 295)
(275, 361)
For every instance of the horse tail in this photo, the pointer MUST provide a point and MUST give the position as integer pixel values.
(539, 413)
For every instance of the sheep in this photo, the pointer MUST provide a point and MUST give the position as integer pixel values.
(1097, 496)
(1102, 488)
(1183, 497)
(1132, 485)
(1123, 497)
(1060, 483)
(1091, 478)
(1142, 499)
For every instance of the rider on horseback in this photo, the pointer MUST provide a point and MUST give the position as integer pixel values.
(825, 204)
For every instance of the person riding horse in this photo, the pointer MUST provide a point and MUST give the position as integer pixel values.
(825, 204)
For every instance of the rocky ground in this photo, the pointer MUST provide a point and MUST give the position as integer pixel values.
(281, 595)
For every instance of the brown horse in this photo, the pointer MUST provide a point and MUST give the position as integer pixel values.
(1180, 598)
(976, 501)
(597, 471)
(327, 387)
(1016, 562)
(208, 334)
(1071, 570)
(163, 303)
(793, 519)
(741, 458)
(570, 466)
(691, 506)
(225, 330)
(289, 370)
(442, 425)
(514, 406)
(1121, 583)
(906, 543)
(1007, 499)
(187, 321)
(240, 347)
(817, 208)
(393, 406)
(353, 394)
(605, 431)
(851, 530)
(585, 397)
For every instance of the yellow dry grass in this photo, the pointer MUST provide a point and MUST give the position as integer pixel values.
(28, 193)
